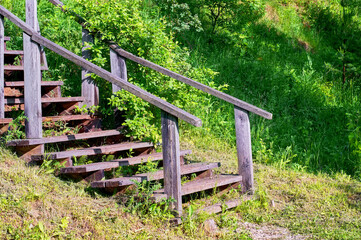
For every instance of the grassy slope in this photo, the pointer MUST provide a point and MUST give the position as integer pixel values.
(36, 205)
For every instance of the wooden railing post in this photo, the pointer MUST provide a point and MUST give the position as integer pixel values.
(88, 88)
(171, 160)
(118, 67)
(244, 149)
(32, 76)
(2, 80)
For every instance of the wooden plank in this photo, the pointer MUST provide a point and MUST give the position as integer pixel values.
(43, 84)
(171, 160)
(156, 101)
(206, 184)
(7, 39)
(244, 149)
(32, 76)
(200, 86)
(20, 68)
(184, 170)
(13, 52)
(64, 138)
(10, 101)
(153, 176)
(117, 163)
(2, 60)
(106, 149)
(118, 67)
(5, 120)
(67, 118)
(89, 90)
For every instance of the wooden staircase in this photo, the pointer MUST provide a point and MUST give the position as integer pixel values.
(21, 88)
(96, 172)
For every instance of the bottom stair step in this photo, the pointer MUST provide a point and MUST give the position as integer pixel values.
(206, 184)
(126, 181)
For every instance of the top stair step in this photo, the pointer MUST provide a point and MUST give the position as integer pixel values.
(10, 101)
(5, 120)
(13, 52)
(64, 138)
(20, 68)
(106, 149)
(43, 84)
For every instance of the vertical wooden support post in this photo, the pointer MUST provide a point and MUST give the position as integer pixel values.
(88, 88)
(171, 160)
(244, 149)
(2, 80)
(118, 67)
(32, 76)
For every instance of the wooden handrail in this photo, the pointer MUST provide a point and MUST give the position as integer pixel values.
(228, 98)
(156, 101)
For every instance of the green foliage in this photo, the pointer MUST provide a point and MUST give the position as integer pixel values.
(16, 128)
(141, 202)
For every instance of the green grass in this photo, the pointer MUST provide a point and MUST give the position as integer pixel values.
(37, 205)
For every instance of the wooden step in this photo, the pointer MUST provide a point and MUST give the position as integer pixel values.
(126, 181)
(206, 184)
(67, 118)
(13, 52)
(7, 39)
(116, 163)
(10, 101)
(5, 120)
(43, 84)
(64, 138)
(20, 68)
(106, 149)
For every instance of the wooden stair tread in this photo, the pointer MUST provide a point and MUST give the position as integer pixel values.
(5, 120)
(43, 84)
(116, 163)
(19, 68)
(66, 118)
(6, 38)
(151, 176)
(92, 151)
(10, 101)
(63, 138)
(13, 52)
(206, 184)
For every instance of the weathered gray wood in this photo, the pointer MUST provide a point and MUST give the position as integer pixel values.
(32, 76)
(64, 138)
(206, 184)
(106, 149)
(67, 118)
(88, 88)
(45, 100)
(117, 163)
(171, 160)
(169, 73)
(19, 68)
(156, 101)
(2, 80)
(118, 67)
(43, 84)
(153, 176)
(244, 149)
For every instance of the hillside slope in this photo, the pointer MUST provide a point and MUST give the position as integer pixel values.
(35, 204)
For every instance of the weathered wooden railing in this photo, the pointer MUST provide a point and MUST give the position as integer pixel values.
(118, 77)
